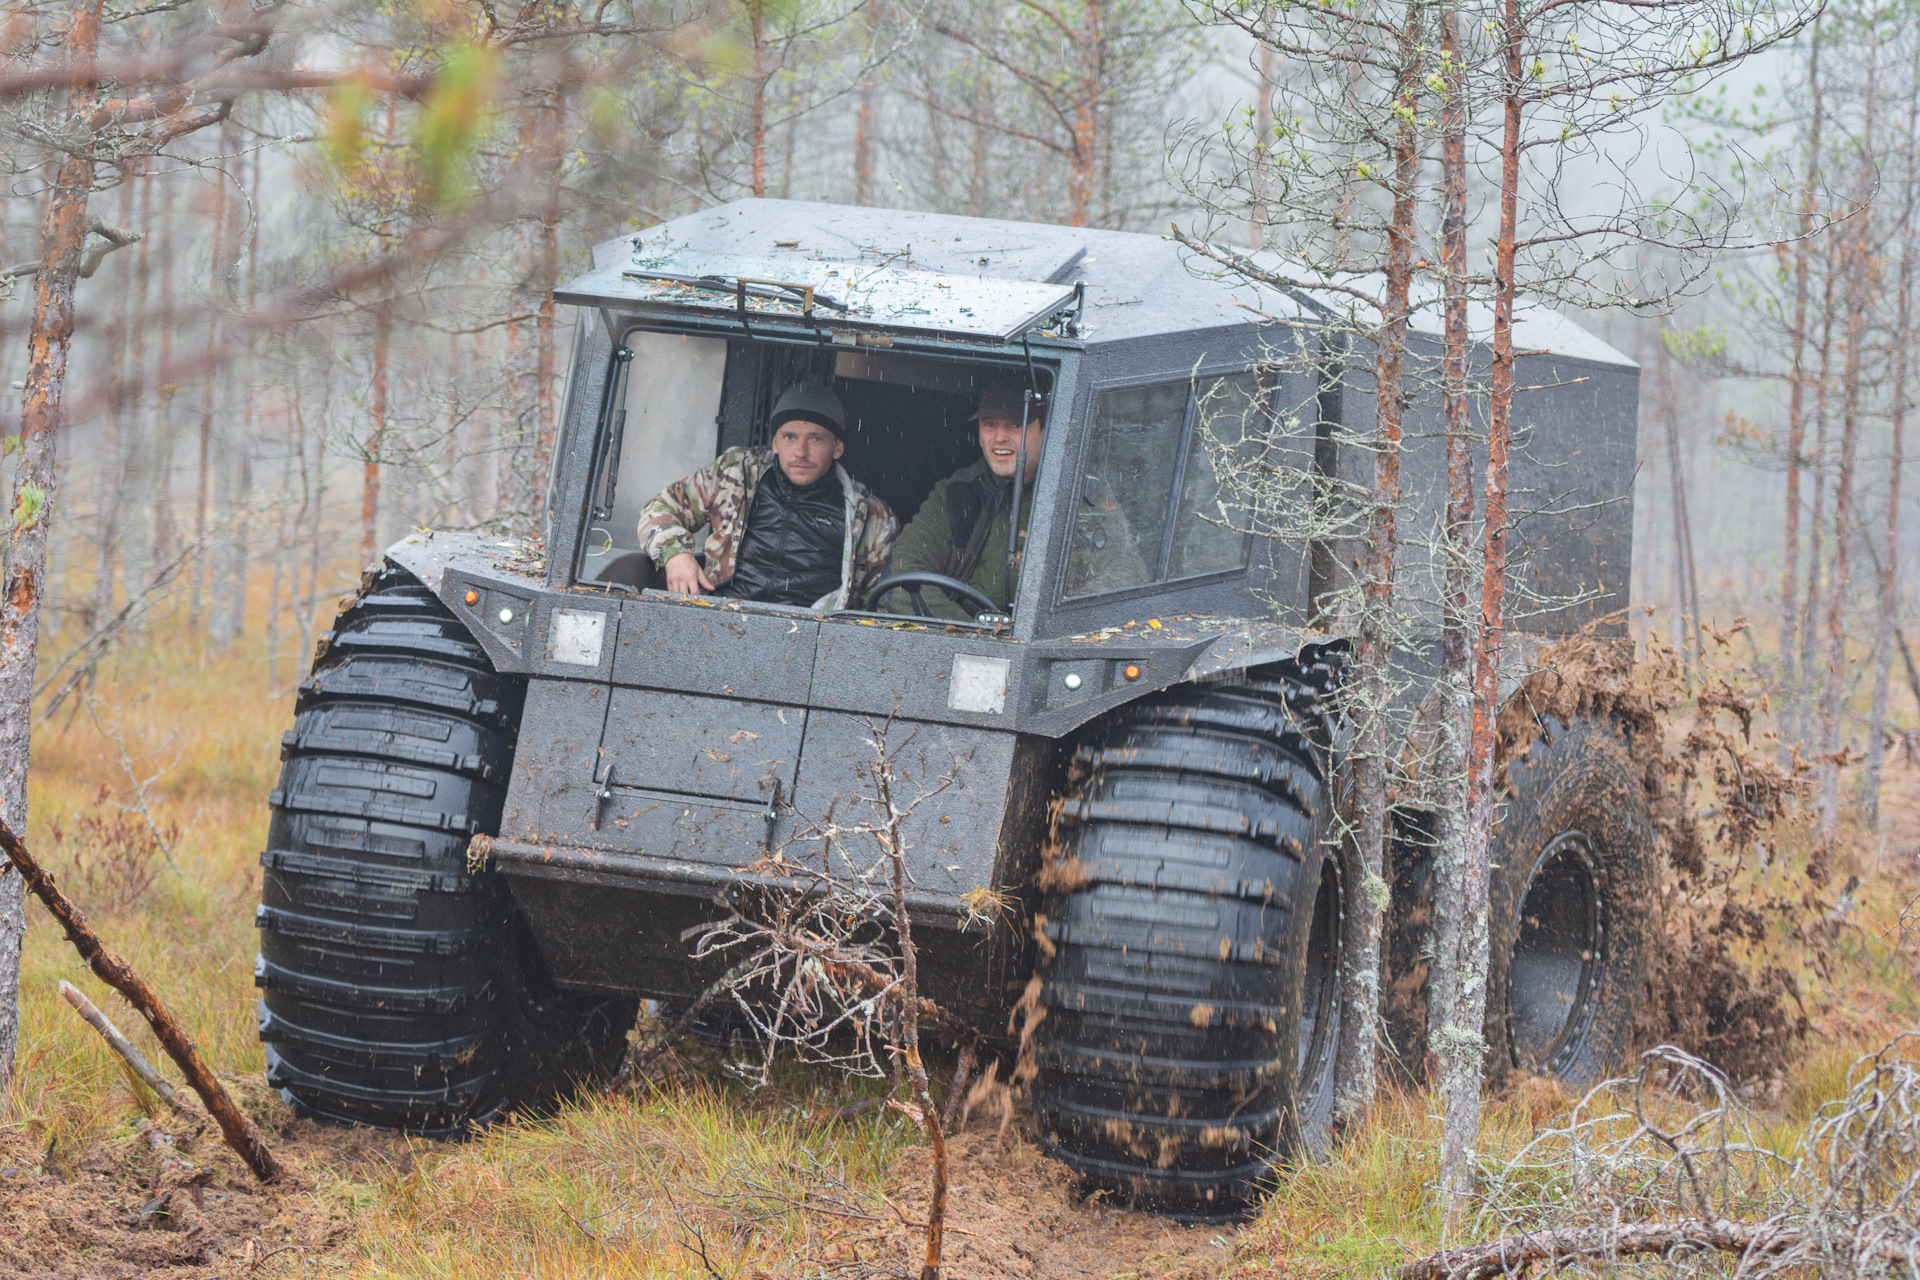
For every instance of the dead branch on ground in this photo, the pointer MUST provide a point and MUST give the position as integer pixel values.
(119, 1043)
(238, 1130)
(1676, 1181)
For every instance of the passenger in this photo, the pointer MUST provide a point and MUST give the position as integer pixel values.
(960, 531)
(782, 534)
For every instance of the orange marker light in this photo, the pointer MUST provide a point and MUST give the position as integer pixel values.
(1131, 671)
(473, 597)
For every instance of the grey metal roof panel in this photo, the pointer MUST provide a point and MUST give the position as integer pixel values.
(658, 273)
(1137, 286)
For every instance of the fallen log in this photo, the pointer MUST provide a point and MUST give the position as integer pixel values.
(122, 1046)
(1515, 1255)
(116, 973)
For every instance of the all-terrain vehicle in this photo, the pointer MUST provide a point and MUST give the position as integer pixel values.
(518, 774)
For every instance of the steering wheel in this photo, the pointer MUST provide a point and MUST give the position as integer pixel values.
(959, 592)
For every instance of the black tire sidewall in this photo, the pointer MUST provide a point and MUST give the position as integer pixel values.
(1575, 777)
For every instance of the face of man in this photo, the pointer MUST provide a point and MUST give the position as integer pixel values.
(805, 450)
(1000, 442)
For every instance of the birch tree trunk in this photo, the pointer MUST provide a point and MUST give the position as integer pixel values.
(1456, 1005)
(63, 234)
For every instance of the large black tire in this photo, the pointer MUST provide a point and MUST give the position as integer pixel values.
(401, 990)
(1573, 879)
(1186, 1039)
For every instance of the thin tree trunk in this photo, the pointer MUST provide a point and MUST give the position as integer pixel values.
(201, 607)
(1354, 1066)
(132, 532)
(1809, 624)
(114, 433)
(1797, 382)
(1456, 1008)
(283, 516)
(549, 264)
(62, 236)
(377, 441)
(977, 156)
(164, 533)
(1889, 569)
(1082, 159)
(1493, 583)
(863, 143)
(1686, 582)
(757, 101)
(1262, 135)
(1858, 289)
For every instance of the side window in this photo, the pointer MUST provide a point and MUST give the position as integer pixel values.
(1146, 447)
(1121, 509)
(1206, 535)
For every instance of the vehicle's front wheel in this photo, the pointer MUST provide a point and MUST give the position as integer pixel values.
(399, 988)
(1188, 988)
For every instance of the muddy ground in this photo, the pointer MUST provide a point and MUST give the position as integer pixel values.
(187, 1208)
(166, 1201)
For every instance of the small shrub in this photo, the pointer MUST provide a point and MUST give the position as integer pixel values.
(109, 859)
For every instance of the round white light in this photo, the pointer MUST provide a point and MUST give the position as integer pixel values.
(506, 615)
(1072, 681)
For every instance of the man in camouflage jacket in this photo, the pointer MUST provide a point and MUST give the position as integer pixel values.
(781, 508)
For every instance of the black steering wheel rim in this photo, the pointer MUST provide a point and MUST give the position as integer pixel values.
(959, 592)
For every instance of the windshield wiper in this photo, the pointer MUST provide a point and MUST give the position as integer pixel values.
(745, 286)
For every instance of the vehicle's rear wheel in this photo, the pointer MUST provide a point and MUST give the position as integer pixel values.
(1186, 1040)
(1574, 860)
(400, 989)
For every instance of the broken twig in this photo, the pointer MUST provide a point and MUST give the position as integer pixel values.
(123, 1046)
(116, 973)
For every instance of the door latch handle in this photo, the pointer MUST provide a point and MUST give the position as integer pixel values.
(602, 792)
(772, 816)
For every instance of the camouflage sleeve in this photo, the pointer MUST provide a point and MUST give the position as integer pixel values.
(668, 521)
(875, 548)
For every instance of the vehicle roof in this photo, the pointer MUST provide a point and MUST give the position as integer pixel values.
(1137, 286)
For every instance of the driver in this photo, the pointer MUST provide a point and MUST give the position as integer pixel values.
(788, 524)
(960, 531)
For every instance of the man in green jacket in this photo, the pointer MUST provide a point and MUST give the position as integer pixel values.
(961, 529)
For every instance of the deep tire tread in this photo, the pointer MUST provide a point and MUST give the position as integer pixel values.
(391, 974)
(1173, 963)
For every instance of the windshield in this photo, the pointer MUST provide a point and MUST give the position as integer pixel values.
(909, 425)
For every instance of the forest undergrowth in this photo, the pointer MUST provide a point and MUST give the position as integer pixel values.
(148, 799)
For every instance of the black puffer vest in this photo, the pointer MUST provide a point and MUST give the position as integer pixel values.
(793, 544)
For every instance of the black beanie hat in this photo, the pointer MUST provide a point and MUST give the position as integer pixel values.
(813, 401)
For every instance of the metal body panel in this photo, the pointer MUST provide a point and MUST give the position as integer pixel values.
(880, 670)
(954, 779)
(669, 642)
(695, 745)
(552, 785)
